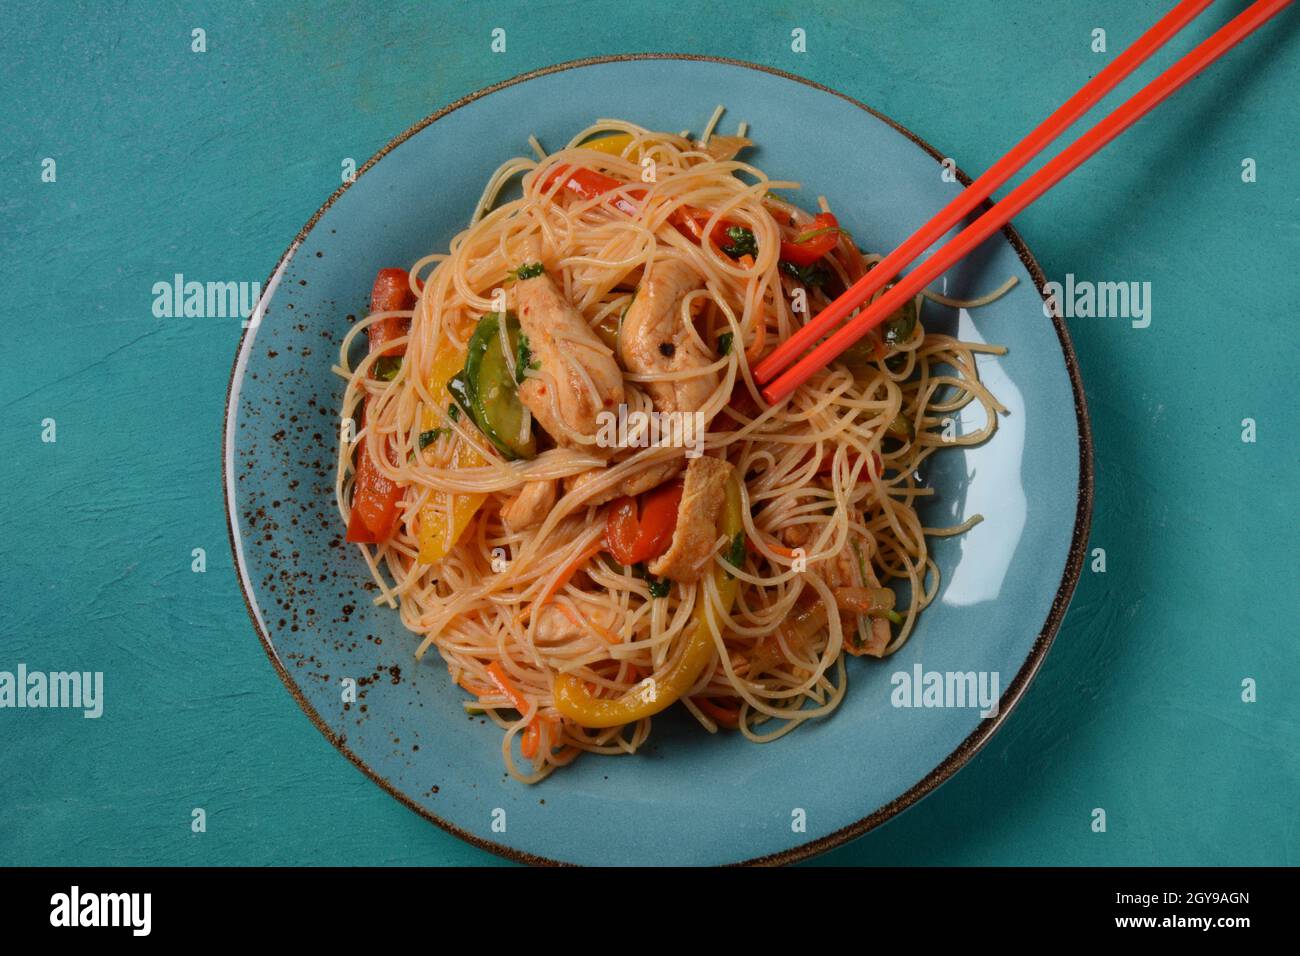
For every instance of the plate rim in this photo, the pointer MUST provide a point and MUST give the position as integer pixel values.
(947, 767)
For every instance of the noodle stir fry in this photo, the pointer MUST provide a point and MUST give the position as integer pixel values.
(565, 478)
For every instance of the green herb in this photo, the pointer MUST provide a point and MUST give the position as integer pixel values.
(742, 242)
(825, 230)
(429, 437)
(658, 586)
(736, 552)
(900, 325)
(529, 270)
(813, 275)
(386, 367)
(453, 411)
(724, 343)
(894, 616)
(524, 359)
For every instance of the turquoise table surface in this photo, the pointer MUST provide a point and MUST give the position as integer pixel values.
(1170, 697)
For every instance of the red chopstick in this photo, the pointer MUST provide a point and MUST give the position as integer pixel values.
(1085, 99)
(1073, 156)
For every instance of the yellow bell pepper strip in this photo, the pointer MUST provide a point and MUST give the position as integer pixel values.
(444, 517)
(574, 701)
(613, 145)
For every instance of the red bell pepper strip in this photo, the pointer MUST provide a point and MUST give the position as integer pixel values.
(375, 496)
(588, 184)
(633, 538)
(818, 239)
(390, 293)
(375, 501)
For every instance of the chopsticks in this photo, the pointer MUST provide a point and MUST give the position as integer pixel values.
(1073, 156)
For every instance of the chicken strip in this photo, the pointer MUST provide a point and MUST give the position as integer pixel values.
(696, 534)
(557, 624)
(655, 339)
(578, 375)
(530, 506)
(651, 476)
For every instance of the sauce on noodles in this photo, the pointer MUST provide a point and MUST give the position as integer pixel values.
(577, 585)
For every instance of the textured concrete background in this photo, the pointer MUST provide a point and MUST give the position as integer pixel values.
(208, 164)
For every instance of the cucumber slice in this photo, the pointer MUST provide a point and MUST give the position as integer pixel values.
(491, 390)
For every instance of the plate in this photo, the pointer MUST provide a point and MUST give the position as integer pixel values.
(688, 798)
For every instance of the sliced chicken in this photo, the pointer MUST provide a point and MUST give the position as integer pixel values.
(796, 535)
(530, 506)
(655, 338)
(579, 376)
(695, 537)
(652, 476)
(558, 623)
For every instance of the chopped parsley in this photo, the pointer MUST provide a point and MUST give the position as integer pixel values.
(813, 276)
(529, 270)
(429, 437)
(724, 343)
(453, 411)
(658, 586)
(742, 242)
(736, 552)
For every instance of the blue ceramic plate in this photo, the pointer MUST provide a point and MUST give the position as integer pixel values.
(689, 798)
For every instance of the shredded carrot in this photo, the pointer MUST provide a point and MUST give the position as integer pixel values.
(722, 716)
(498, 675)
(746, 260)
(533, 735)
(565, 576)
(771, 543)
(760, 339)
(580, 623)
(478, 690)
(531, 738)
